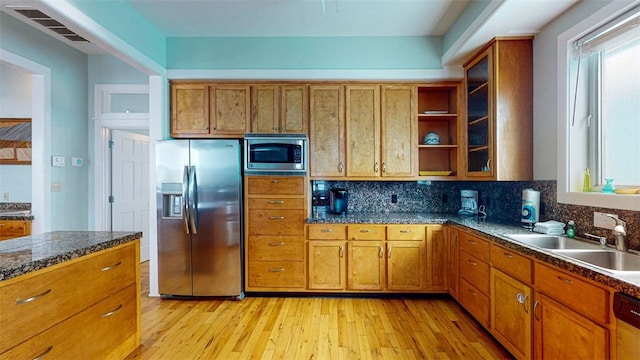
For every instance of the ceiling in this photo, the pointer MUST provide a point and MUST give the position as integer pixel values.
(330, 18)
(231, 18)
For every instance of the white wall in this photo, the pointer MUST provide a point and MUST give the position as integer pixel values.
(15, 102)
(545, 96)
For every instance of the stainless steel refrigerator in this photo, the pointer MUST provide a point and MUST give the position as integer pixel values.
(199, 191)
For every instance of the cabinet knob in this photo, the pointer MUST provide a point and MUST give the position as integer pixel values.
(376, 167)
(340, 166)
(384, 167)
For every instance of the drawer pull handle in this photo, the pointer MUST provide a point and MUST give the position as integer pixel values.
(341, 251)
(276, 217)
(30, 299)
(568, 281)
(472, 242)
(2, 224)
(276, 269)
(276, 244)
(472, 292)
(365, 230)
(107, 268)
(405, 231)
(44, 353)
(326, 230)
(276, 201)
(381, 252)
(389, 252)
(535, 310)
(508, 255)
(472, 262)
(275, 181)
(109, 313)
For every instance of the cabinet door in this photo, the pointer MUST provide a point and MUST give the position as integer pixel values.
(231, 109)
(363, 131)
(398, 131)
(264, 109)
(480, 116)
(189, 110)
(365, 265)
(454, 261)
(437, 258)
(327, 265)
(326, 133)
(406, 265)
(511, 305)
(560, 333)
(294, 109)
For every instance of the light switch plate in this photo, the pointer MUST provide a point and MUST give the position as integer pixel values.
(57, 161)
(77, 161)
(602, 221)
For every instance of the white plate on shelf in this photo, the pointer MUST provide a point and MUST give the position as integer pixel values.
(434, 112)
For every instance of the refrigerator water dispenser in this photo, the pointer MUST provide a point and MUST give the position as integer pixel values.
(172, 200)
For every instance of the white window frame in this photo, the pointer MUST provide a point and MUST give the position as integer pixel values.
(564, 46)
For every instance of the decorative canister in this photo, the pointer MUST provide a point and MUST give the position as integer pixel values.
(431, 139)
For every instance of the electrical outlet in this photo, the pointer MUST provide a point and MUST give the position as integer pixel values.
(394, 198)
(602, 221)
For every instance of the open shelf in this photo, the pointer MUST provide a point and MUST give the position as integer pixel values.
(438, 113)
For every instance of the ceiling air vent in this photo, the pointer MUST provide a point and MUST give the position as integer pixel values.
(51, 24)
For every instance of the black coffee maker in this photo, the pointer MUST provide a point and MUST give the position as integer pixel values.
(338, 201)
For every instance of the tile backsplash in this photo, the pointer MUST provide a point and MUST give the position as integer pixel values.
(502, 201)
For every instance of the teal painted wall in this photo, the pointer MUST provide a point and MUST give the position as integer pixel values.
(122, 20)
(469, 14)
(68, 115)
(294, 53)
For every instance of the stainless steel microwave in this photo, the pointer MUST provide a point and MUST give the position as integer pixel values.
(275, 153)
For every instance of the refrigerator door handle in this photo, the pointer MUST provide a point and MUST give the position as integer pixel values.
(185, 199)
(193, 200)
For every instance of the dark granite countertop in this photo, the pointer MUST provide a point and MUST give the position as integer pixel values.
(15, 217)
(30, 253)
(495, 231)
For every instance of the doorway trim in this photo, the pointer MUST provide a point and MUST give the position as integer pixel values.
(40, 138)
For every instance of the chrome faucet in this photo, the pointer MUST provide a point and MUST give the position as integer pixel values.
(619, 232)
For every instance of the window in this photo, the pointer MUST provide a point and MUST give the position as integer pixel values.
(601, 114)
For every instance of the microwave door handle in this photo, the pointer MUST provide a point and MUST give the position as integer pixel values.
(185, 199)
(193, 200)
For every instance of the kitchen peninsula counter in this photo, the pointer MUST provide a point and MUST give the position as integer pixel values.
(495, 231)
(26, 254)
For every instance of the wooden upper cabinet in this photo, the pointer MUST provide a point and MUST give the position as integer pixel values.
(398, 131)
(230, 109)
(203, 110)
(279, 109)
(363, 130)
(499, 126)
(326, 131)
(189, 110)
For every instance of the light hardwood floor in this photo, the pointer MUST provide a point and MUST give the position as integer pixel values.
(310, 328)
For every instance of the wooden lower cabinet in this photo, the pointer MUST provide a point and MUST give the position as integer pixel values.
(406, 265)
(88, 307)
(327, 265)
(10, 229)
(366, 265)
(511, 305)
(561, 333)
(437, 258)
(454, 261)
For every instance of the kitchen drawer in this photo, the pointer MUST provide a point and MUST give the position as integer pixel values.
(14, 228)
(365, 232)
(276, 203)
(578, 295)
(512, 263)
(276, 274)
(327, 232)
(276, 222)
(275, 185)
(475, 271)
(406, 232)
(60, 291)
(475, 302)
(92, 334)
(474, 245)
(272, 248)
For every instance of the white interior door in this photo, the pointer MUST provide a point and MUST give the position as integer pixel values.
(129, 185)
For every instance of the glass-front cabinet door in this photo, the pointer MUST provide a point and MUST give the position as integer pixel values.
(480, 142)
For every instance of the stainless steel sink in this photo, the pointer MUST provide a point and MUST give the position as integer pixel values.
(607, 259)
(552, 242)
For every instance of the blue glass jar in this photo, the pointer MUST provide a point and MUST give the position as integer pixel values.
(609, 188)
